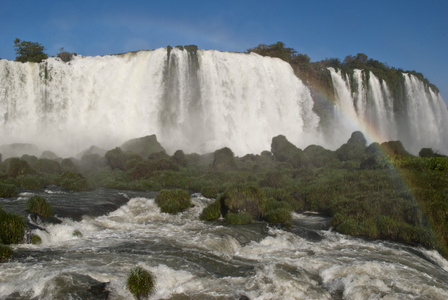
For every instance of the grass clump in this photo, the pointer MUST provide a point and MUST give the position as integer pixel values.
(211, 212)
(244, 198)
(12, 227)
(238, 218)
(77, 233)
(140, 283)
(7, 190)
(173, 201)
(73, 181)
(40, 206)
(5, 253)
(36, 240)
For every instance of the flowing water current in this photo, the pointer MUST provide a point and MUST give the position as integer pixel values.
(192, 259)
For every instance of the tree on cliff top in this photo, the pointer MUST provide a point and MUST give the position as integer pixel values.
(29, 51)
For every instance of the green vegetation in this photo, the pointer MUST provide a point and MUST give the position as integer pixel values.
(29, 51)
(140, 283)
(173, 201)
(238, 218)
(73, 181)
(318, 78)
(7, 190)
(12, 227)
(211, 212)
(40, 206)
(5, 253)
(65, 56)
(376, 191)
(36, 240)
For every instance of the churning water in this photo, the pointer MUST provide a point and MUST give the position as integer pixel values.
(193, 259)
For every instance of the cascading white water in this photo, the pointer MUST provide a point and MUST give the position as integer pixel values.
(192, 259)
(369, 107)
(195, 102)
(202, 101)
(427, 115)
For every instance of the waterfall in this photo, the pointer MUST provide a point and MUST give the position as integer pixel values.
(200, 101)
(368, 105)
(195, 101)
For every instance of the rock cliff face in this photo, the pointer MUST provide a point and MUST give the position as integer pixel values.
(200, 101)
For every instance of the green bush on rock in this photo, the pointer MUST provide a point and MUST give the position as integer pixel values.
(73, 181)
(243, 198)
(7, 190)
(239, 218)
(211, 212)
(173, 201)
(140, 283)
(5, 253)
(40, 206)
(12, 227)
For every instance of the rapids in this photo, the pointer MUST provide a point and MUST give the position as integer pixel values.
(209, 260)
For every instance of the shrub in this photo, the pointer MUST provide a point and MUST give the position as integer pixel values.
(30, 182)
(209, 191)
(5, 253)
(211, 212)
(140, 283)
(223, 160)
(77, 233)
(280, 215)
(40, 206)
(17, 167)
(239, 218)
(73, 181)
(45, 165)
(173, 201)
(36, 240)
(179, 158)
(12, 227)
(243, 198)
(7, 190)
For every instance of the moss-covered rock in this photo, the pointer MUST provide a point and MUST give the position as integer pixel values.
(394, 148)
(141, 283)
(173, 201)
(45, 165)
(12, 227)
(5, 253)
(238, 218)
(7, 190)
(319, 156)
(73, 181)
(118, 159)
(17, 167)
(180, 158)
(211, 211)
(143, 146)
(36, 240)
(30, 182)
(40, 206)
(282, 149)
(243, 198)
(223, 160)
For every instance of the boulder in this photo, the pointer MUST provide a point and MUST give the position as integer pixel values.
(143, 146)
(224, 160)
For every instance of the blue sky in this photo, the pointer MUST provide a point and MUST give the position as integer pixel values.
(407, 34)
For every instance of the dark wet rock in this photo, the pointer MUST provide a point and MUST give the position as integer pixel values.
(74, 286)
(143, 146)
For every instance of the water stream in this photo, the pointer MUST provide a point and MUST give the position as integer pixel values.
(193, 259)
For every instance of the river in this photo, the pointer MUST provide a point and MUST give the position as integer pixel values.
(192, 259)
